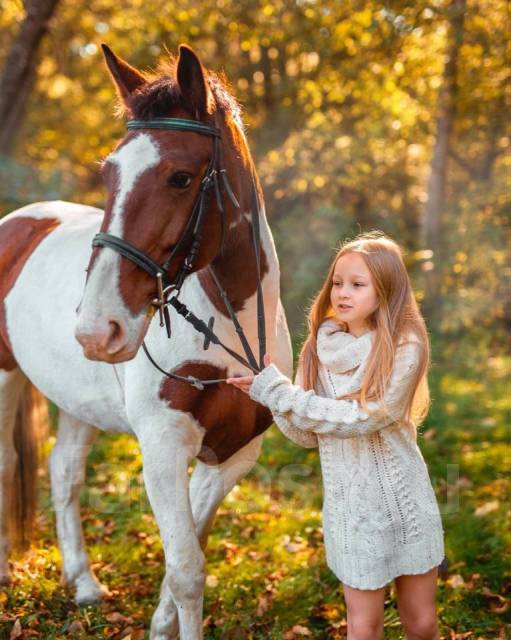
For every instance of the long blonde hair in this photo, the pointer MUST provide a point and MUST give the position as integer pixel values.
(396, 317)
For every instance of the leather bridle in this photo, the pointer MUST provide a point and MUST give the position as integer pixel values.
(214, 178)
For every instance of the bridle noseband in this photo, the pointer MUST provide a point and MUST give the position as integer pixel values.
(214, 178)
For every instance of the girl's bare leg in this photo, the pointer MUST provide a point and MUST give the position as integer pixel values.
(416, 599)
(365, 613)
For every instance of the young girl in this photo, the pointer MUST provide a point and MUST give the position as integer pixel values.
(361, 390)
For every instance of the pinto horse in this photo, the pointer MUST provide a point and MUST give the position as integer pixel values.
(61, 302)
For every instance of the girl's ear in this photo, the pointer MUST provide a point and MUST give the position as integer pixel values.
(191, 78)
(126, 78)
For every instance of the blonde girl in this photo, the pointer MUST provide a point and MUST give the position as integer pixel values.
(361, 391)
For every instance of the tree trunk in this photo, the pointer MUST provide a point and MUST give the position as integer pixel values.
(431, 221)
(19, 72)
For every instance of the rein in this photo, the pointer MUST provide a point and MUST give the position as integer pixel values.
(215, 178)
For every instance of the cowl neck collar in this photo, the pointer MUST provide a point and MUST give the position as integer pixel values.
(338, 350)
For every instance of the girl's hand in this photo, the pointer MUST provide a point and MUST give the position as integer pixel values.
(244, 383)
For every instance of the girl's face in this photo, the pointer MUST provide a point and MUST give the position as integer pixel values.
(353, 296)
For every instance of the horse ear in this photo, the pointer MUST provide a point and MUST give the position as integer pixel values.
(191, 78)
(126, 78)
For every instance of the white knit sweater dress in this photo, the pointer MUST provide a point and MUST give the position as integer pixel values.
(380, 514)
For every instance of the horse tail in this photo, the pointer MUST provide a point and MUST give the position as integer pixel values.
(29, 430)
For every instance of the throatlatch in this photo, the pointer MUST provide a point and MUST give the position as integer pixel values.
(168, 292)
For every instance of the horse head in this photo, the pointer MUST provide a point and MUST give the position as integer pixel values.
(155, 181)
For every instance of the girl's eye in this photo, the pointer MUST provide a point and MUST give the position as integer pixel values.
(180, 180)
(357, 284)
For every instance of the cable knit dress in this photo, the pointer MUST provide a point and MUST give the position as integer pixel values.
(380, 514)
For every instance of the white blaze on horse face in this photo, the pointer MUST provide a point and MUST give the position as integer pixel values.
(106, 328)
(132, 160)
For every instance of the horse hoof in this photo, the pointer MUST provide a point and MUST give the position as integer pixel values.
(90, 592)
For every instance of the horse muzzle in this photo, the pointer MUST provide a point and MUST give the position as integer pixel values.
(108, 341)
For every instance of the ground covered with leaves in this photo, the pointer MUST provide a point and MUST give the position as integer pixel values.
(266, 569)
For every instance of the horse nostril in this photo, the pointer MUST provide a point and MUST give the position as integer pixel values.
(116, 337)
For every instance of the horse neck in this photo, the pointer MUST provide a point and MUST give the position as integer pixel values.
(235, 267)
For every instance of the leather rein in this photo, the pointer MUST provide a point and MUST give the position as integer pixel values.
(215, 178)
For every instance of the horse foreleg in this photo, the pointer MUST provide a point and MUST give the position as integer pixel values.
(208, 487)
(167, 452)
(210, 484)
(11, 386)
(67, 469)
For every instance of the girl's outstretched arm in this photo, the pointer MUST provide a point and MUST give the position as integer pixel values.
(300, 437)
(308, 412)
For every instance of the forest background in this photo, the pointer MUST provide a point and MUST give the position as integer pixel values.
(360, 115)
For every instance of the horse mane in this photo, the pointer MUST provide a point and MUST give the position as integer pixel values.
(161, 94)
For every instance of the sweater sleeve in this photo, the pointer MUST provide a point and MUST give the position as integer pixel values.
(309, 412)
(300, 437)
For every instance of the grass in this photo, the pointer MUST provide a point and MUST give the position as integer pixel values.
(266, 570)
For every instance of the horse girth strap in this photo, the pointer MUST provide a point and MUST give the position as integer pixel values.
(193, 228)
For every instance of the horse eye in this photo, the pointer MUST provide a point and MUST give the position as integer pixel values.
(180, 180)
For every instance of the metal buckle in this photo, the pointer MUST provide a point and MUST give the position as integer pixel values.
(160, 301)
(207, 181)
(195, 382)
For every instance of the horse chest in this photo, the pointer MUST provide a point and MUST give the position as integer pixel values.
(231, 419)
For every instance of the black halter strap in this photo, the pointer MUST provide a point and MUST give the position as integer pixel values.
(214, 178)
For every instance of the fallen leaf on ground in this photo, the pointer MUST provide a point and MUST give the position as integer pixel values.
(138, 634)
(75, 628)
(487, 507)
(212, 581)
(293, 546)
(456, 581)
(117, 618)
(297, 631)
(263, 605)
(500, 604)
(16, 631)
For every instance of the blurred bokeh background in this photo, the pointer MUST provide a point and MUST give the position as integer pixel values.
(360, 115)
